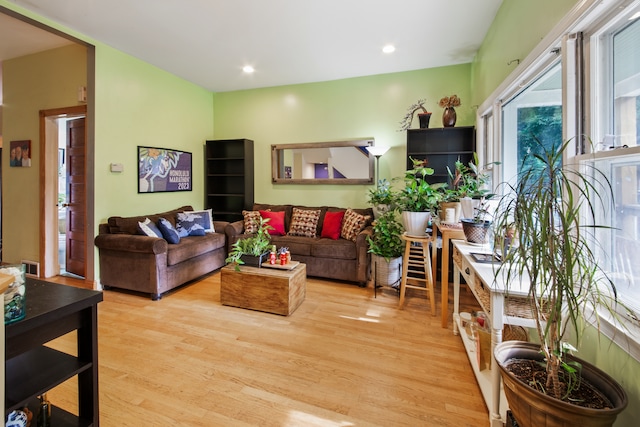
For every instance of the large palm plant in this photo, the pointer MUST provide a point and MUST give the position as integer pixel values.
(552, 209)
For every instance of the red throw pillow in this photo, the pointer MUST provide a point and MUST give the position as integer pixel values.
(277, 222)
(332, 225)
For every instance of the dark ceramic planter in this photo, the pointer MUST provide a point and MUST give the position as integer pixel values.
(255, 261)
(475, 232)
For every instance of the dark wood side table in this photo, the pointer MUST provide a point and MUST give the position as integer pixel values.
(32, 368)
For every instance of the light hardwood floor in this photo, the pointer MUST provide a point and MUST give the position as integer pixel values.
(344, 358)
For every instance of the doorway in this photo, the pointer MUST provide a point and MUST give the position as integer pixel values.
(64, 219)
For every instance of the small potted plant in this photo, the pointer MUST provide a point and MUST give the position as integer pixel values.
(381, 198)
(476, 228)
(387, 247)
(423, 117)
(418, 199)
(252, 250)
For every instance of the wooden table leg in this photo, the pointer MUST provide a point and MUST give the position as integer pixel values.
(444, 279)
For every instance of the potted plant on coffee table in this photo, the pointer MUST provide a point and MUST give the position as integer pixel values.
(387, 247)
(252, 250)
(418, 198)
(554, 260)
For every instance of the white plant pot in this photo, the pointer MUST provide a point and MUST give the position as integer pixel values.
(388, 273)
(416, 223)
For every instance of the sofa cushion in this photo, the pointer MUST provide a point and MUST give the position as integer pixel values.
(352, 224)
(148, 228)
(276, 208)
(297, 245)
(332, 225)
(276, 220)
(335, 249)
(251, 220)
(129, 225)
(169, 233)
(195, 223)
(192, 246)
(304, 222)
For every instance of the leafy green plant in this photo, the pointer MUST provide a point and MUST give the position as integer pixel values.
(469, 180)
(385, 240)
(554, 249)
(255, 245)
(383, 194)
(418, 195)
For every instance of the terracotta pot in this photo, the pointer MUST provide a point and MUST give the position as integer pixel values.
(531, 408)
(449, 117)
(442, 212)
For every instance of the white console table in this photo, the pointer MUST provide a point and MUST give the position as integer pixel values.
(501, 307)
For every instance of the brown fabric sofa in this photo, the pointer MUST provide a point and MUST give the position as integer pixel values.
(129, 260)
(333, 259)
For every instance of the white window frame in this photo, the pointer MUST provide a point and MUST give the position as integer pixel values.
(593, 18)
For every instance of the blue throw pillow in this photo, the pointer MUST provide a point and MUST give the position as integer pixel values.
(148, 228)
(193, 223)
(168, 231)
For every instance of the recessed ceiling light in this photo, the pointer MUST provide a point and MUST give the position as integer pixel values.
(389, 48)
(248, 69)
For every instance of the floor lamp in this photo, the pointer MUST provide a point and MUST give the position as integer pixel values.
(377, 152)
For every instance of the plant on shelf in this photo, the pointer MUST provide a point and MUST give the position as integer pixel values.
(256, 245)
(405, 123)
(554, 261)
(387, 247)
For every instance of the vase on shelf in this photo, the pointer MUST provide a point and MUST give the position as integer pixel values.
(449, 117)
(424, 120)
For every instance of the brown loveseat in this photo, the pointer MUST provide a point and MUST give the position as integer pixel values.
(129, 260)
(339, 259)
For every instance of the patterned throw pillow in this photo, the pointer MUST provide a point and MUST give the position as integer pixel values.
(148, 228)
(352, 224)
(251, 221)
(168, 232)
(304, 222)
(193, 223)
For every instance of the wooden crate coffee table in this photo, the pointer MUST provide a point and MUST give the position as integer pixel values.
(265, 289)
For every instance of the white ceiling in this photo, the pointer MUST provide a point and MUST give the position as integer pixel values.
(208, 42)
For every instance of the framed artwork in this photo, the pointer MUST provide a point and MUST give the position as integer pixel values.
(163, 170)
(20, 153)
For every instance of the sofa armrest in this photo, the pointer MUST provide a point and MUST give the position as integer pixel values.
(131, 243)
(361, 238)
(233, 231)
(220, 226)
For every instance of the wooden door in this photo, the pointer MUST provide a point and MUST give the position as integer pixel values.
(76, 198)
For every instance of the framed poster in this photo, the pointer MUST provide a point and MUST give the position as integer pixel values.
(163, 170)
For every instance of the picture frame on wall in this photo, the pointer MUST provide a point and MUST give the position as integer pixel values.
(20, 152)
(163, 170)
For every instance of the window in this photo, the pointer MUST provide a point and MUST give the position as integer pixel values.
(533, 116)
(617, 156)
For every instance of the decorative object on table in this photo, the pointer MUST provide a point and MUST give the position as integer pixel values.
(252, 250)
(449, 116)
(418, 199)
(423, 117)
(476, 229)
(17, 418)
(44, 415)
(387, 248)
(15, 304)
(547, 208)
(163, 170)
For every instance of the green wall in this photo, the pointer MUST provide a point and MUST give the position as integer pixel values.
(517, 28)
(342, 109)
(32, 83)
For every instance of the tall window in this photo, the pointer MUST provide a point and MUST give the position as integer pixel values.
(618, 156)
(532, 117)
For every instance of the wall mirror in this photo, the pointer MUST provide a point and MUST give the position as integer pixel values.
(337, 162)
